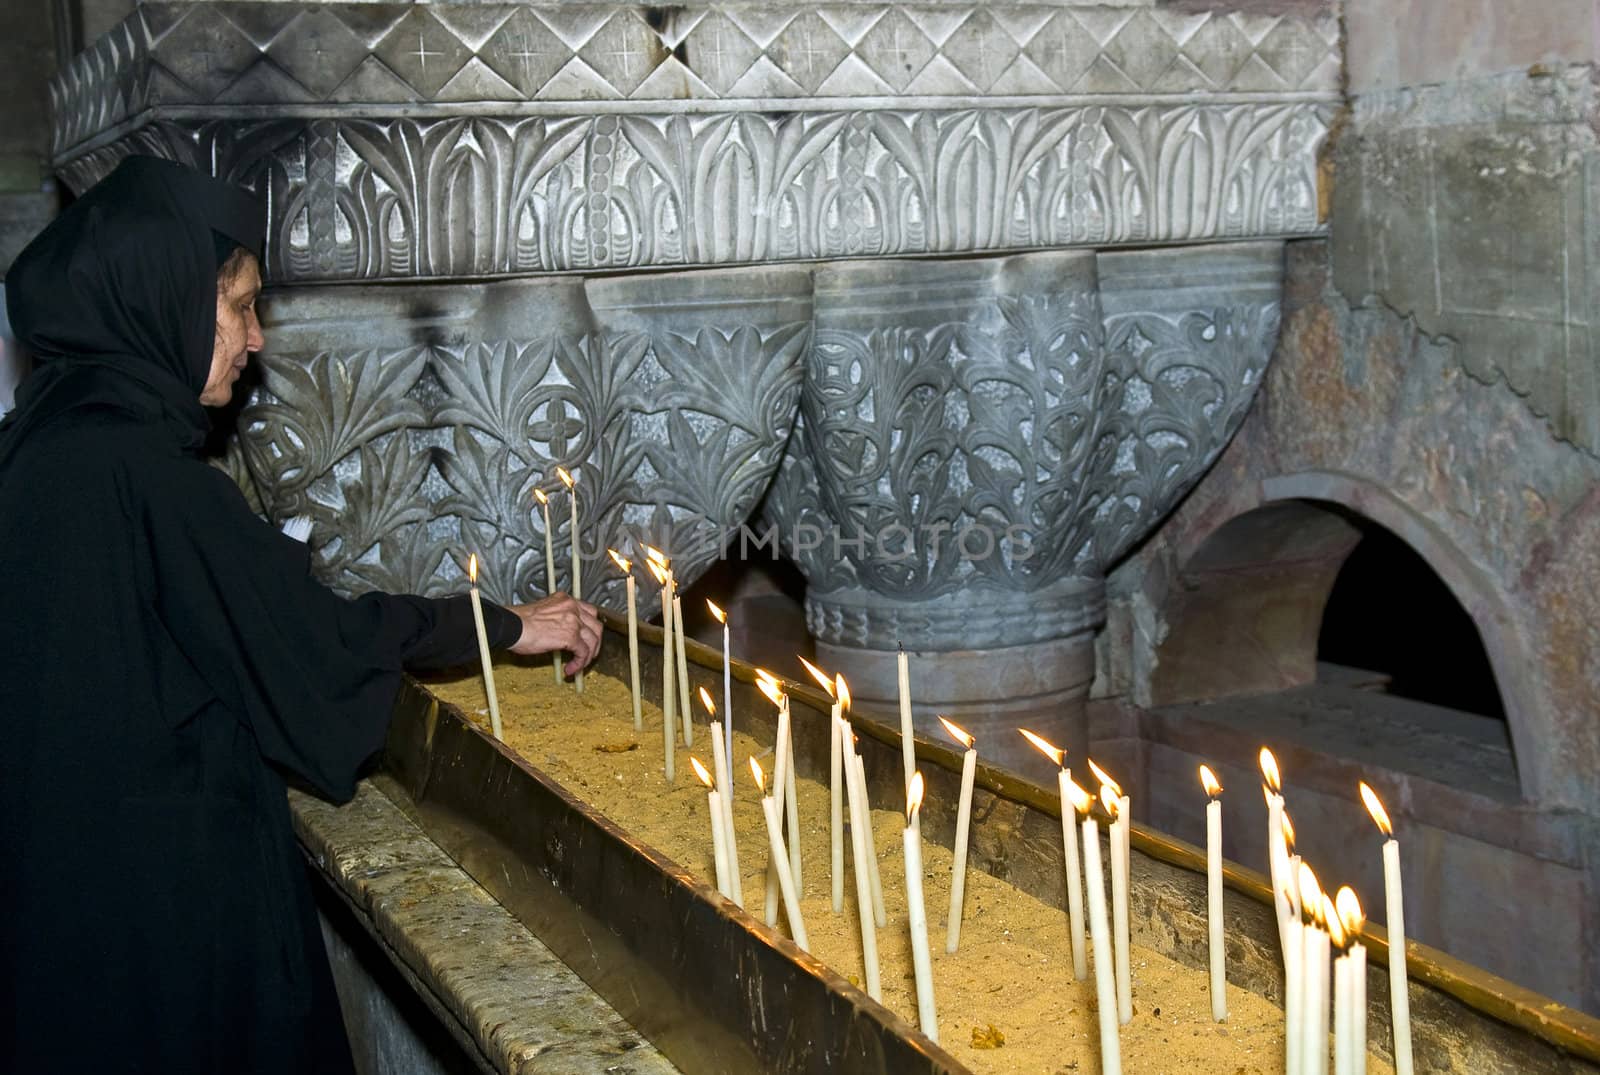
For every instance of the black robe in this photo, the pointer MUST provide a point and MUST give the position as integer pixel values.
(166, 661)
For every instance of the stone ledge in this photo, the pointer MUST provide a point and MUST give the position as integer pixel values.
(512, 1001)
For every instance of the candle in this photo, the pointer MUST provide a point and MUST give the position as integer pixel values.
(1219, 977)
(727, 680)
(862, 851)
(1314, 971)
(724, 775)
(1394, 906)
(719, 840)
(571, 483)
(783, 744)
(549, 565)
(1116, 805)
(683, 665)
(669, 693)
(633, 636)
(1350, 1051)
(1293, 987)
(1099, 933)
(1272, 788)
(483, 648)
(791, 794)
(907, 750)
(917, 913)
(835, 691)
(856, 773)
(780, 858)
(1069, 844)
(958, 872)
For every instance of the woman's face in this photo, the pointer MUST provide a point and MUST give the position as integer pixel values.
(238, 333)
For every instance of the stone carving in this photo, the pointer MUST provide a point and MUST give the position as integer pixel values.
(397, 198)
(969, 460)
(181, 55)
(670, 398)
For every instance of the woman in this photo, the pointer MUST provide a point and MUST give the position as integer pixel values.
(167, 662)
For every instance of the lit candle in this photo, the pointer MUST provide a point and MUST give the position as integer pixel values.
(862, 851)
(767, 683)
(724, 774)
(483, 648)
(1116, 805)
(1394, 906)
(917, 913)
(1314, 968)
(1069, 843)
(835, 792)
(1293, 988)
(669, 693)
(907, 750)
(633, 636)
(856, 773)
(549, 565)
(571, 483)
(1272, 788)
(1219, 977)
(1350, 1049)
(683, 665)
(958, 872)
(780, 858)
(727, 679)
(1100, 934)
(719, 841)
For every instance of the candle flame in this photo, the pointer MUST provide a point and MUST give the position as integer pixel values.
(656, 556)
(1310, 891)
(761, 778)
(538, 494)
(472, 568)
(1375, 808)
(819, 675)
(1105, 778)
(1328, 918)
(841, 691)
(1054, 753)
(1108, 799)
(1351, 916)
(1269, 771)
(721, 616)
(1208, 780)
(705, 700)
(1081, 800)
(958, 734)
(769, 687)
(1288, 832)
(700, 771)
(566, 477)
(624, 564)
(655, 572)
(914, 797)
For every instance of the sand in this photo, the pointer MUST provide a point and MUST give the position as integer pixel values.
(1007, 1001)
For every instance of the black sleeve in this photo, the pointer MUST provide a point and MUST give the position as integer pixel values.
(453, 638)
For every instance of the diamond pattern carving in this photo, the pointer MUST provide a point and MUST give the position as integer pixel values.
(808, 50)
(1063, 49)
(981, 49)
(1142, 50)
(624, 51)
(210, 51)
(525, 53)
(897, 50)
(719, 52)
(317, 50)
(423, 52)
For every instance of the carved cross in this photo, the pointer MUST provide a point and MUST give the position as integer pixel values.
(422, 53)
(526, 55)
(897, 52)
(809, 51)
(716, 52)
(626, 53)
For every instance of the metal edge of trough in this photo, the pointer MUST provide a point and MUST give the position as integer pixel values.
(614, 916)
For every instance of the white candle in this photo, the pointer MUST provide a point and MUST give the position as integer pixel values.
(1100, 936)
(1394, 907)
(780, 859)
(1069, 844)
(1219, 975)
(839, 694)
(571, 482)
(1314, 974)
(727, 678)
(1293, 986)
(669, 692)
(862, 852)
(483, 649)
(907, 749)
(633, 637)
(791, 795)
(1116, 805)
(857, 772)
(1341, 1014)
(917, 913)
(549, 566)
(958, 871)
(1350, 1039)
(724, 774)
(719, 840)
(683, 666)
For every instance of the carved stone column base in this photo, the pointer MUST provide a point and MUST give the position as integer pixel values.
(1041, 686)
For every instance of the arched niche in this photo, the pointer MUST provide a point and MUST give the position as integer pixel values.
(1245, 613)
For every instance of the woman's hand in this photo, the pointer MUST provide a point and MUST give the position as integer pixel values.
(559, 623)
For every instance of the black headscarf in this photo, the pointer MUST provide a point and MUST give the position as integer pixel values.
(116, 299)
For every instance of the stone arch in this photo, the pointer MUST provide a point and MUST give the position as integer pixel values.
(1245, 611)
